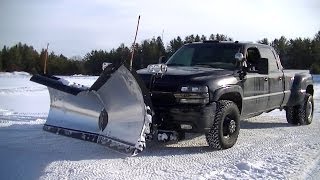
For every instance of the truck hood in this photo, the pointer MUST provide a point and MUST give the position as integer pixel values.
(177, 76)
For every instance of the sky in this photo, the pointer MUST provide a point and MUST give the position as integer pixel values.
(75, 27)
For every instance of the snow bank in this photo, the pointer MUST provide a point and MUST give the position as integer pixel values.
(23, 90)
(14, 74)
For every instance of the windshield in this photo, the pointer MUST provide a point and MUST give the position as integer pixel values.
(207, 55)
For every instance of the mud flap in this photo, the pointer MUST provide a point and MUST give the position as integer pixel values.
(115, 111)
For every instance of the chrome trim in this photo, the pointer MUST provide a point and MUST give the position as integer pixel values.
(262, 95)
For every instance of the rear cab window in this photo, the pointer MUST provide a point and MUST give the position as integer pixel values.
(266, 52)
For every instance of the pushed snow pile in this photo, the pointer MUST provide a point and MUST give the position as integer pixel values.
(14, 74)
(72, 84)
(81, 80)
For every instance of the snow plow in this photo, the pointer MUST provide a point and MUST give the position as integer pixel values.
(115, 111)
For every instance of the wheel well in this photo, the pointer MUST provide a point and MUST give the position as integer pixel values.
(235, 97)
(309, 89)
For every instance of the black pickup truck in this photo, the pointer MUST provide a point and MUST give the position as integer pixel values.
(208, 87)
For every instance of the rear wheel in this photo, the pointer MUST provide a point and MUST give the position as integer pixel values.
(226, 125)
(305, 110)
(291, 114)
(301, 114)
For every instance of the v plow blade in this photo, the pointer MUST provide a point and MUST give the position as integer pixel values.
(115, 111)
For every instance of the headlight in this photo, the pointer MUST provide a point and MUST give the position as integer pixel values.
(196, 89)
(193, 95)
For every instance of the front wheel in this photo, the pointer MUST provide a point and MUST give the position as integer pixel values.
(226, 126)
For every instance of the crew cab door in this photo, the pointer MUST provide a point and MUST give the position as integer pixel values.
(275, 78)
(255, 85)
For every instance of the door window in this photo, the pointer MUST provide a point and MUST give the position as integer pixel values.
(252, 57)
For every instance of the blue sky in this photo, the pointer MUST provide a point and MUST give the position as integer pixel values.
(75, 27)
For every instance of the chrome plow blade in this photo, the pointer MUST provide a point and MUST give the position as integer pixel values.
(112, 112)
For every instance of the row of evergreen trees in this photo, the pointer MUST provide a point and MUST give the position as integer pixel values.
(299, 53)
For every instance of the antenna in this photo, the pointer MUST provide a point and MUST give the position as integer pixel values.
(162, 35)
(134, 43)
(45, 60)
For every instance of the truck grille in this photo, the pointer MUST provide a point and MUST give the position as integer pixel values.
(163, 98)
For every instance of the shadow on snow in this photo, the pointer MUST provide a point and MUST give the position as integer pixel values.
(244, 124)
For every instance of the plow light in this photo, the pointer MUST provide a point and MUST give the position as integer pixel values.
(157, 68)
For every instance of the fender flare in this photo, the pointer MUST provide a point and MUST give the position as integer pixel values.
(299, 88)
(231, 89)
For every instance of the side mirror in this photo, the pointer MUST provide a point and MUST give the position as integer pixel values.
(263, 66)
(162, 59)
(240, 61)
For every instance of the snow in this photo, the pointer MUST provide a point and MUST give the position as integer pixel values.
(267, 147)
(72, 84)
(14, 74)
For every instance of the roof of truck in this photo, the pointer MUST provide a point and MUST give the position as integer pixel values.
(230, 42)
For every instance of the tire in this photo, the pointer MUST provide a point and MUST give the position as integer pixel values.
(226, 126)
(181, 135)
(305, 110)
(291, 115)
(301, 114)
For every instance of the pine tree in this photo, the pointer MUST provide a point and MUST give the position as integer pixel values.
(264, 41)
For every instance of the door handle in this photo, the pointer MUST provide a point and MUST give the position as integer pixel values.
(280, 78)
(265, 79)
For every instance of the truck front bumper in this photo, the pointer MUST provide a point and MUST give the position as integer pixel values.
(186, 118)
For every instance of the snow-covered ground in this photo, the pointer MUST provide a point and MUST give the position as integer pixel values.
(267, 148)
